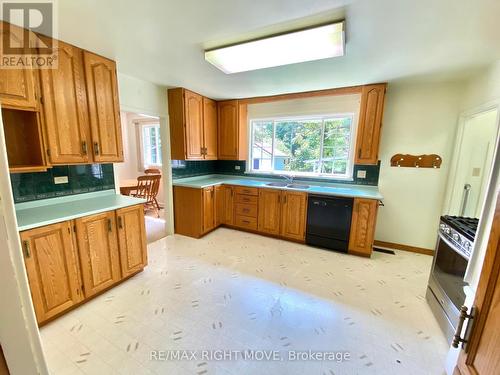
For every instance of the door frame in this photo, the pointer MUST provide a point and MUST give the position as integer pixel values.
(166, 169)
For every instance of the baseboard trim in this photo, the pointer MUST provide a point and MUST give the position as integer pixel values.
(398, 246)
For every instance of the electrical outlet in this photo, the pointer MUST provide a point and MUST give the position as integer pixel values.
(61, 180)
(237, 167)
(361, 174)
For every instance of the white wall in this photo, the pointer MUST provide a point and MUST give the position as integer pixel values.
(484, 87)
(420, 118)
(140, 96)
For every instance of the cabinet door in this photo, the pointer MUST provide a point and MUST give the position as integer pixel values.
(98, 246)
(364, 216)
(17, 86)
(104, 109)
(210, 128)
(65, 107)
(269, 211)
(208, 209)
(132, 239)
(293, 215)
(227, 216)
(228, 130)
(52, 268)
(370, 123)
(219, 204)
(193, 109)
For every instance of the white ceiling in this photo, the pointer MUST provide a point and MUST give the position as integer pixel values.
(162, 41)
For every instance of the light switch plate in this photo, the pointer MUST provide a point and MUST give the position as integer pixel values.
(237, 167)
(361, 174)
(61, 180)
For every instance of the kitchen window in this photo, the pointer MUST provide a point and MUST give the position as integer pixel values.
(304, 146)
(151, 145)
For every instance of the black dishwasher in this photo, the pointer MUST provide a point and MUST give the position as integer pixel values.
(329, 222)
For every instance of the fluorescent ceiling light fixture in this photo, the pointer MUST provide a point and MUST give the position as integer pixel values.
(305, 45)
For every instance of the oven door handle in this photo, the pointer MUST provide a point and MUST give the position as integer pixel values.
(451, 246)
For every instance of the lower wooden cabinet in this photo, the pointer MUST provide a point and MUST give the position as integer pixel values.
(71, 261)
(293, 215)
(53, 269)
(364, 215)
(209, 209)
(269, 211)
(226, 206)
(131, 237)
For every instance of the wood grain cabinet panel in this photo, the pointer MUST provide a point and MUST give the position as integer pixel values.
(364, 217)
(269, 211)
(232, 130)
(194, 125)
(17, 86)
(219, 204)
(293, 215)
(104, 108)
(98, 246)
(188, 211)
(370, 123)
(208, 212)
(65, 108)
(52, 268)
(132, 239)
(227, 215)
(210, 129)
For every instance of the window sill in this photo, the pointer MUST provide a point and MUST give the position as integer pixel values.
(301, 176)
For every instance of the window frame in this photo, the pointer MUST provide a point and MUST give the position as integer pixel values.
(140, 130)
(348, 176)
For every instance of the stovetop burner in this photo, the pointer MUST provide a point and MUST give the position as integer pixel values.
(466, 226)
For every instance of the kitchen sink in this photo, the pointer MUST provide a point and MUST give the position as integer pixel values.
(297, 186)
(278, 184)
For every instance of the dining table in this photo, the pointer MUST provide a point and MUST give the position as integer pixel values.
(127, 186)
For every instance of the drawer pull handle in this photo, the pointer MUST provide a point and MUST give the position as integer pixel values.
(246, 221)
(246, 210)
(96, 148)
(84, 147)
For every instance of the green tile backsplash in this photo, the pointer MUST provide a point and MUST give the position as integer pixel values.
(188, 168)
(81, 179)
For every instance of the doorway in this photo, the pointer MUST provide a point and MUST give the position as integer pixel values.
(143, 157)
(473, 161)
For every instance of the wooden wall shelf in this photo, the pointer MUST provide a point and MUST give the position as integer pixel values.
(416, 161)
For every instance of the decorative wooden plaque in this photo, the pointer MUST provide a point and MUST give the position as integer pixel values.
(416, 161)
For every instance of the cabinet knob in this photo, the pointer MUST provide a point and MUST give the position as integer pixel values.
(96, 148)
(84, 147)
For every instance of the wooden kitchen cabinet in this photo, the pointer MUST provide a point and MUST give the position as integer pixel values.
(65, 108)
(209, 209)
(232, 130)
(227, 205)
(53, 269)
(364, 215)
(17, 86)
(98, 247)
(210, 128)
(370, 123)
(293, 215)
(132, 239)
(104, 108)
(269, 211)
(193, 125)
(219, 204)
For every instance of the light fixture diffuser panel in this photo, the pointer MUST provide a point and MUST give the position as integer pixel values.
(306, 45)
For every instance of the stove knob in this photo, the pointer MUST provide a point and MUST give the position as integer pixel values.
(442, 226)
(456, 237)
(447, 230)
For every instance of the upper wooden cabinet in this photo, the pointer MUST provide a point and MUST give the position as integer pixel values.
(104, 108)
(17, 86)
(293, 215)
(52, 268)
(364, 216)
(98, 245)
(370, 123)
(193, 132)
(232, 130)
(132, 239)
(210, 128)
(65, 108)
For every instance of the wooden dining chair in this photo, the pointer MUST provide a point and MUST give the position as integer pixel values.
(152, 171)
(147, 188)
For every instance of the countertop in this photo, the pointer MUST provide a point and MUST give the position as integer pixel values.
(323, 188)
(55, 210)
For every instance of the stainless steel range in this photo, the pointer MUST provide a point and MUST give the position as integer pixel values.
(445, 292)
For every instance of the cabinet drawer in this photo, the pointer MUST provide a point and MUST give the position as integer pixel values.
(246, 222)
(246, 190)
(248, 199)
(246, 209)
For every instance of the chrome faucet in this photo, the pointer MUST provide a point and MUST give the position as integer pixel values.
(288, 178)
